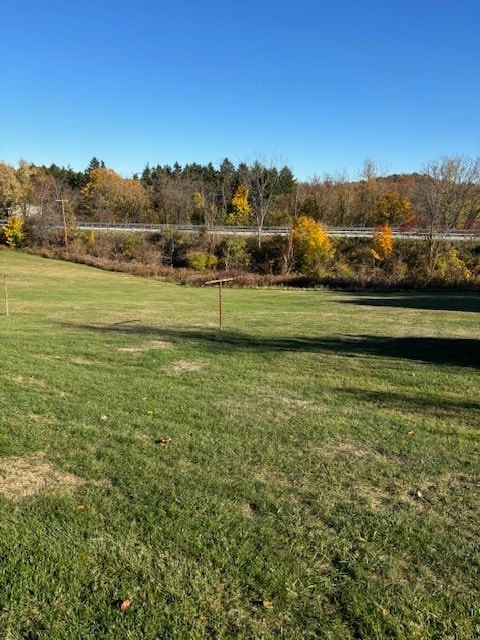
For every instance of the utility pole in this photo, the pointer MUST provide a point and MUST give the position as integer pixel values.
(65, 237)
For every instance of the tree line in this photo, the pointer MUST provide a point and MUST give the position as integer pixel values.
(42, 204)
(444, 195)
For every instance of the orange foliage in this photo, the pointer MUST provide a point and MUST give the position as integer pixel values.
(382, 242)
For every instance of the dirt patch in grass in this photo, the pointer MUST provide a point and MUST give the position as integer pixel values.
(25, 477)
(81, 360)
(30, 381)
(154, 344)
(184, 366)
(336, 449)
(248, 510)
(442, 492)
(375, 497)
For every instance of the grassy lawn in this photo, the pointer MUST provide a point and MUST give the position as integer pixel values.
(310, 472)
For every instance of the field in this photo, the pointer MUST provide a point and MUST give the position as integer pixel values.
(310, 472)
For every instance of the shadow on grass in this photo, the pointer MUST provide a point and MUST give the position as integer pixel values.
(442, 408)
(429, 301)
(462, 352)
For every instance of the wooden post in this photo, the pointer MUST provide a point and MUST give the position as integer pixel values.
(220, 305)
(5, 293)
(220, 309)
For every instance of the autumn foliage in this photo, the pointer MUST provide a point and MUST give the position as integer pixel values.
(12, 233)
(382, 242)
(241, 208)
(310, 243)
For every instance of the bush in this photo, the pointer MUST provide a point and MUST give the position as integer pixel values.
(233, 254)
(451, 268)
(12, 234)
(312, 247)
(270, 257)
(201, 261)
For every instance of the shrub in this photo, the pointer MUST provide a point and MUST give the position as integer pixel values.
(382, 242)
(311, 245)
(269, 257)
(233, 254)
(452, 268)
(12, 234)
(201, 261)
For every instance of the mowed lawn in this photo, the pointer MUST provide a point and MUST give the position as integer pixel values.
(310, 472)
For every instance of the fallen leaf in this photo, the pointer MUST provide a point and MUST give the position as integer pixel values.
(81, 507)
(410, 433)
(267, 604)
(163, 441)
(103, 418)
(125, 604)
(149, 413)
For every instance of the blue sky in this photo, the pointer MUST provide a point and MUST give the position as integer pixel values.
(317, 85)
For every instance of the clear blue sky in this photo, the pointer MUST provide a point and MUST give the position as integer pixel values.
(319, 85)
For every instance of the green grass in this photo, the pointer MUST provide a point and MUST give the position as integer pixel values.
(323, 457)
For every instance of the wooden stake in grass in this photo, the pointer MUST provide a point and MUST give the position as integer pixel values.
(220, 311)
(5, 293)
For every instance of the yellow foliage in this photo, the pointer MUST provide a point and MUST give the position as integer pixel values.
(382, 242)
(452, 268)
(10, 188)
(13, 233)
(241, 208)
(311, 244)
(198, 201)
(393, 209)
(108, 192)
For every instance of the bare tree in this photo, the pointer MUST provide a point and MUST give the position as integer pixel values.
(344, 197)
(448, 197)
(265, 183)
(370, 190)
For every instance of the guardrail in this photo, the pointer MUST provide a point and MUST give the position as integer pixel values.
(346, 232)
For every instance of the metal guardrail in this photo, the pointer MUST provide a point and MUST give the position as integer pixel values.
(346, 232)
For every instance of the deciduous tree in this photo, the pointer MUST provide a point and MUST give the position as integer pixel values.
(382, 242)
(310, 244)
(10, 188)
(240, 207)
(449, 197)
(393, 209)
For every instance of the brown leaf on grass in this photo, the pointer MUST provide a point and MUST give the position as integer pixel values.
(125, 604)
(81, 507)
(266, 604)
(410, 433)
(163, 441)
